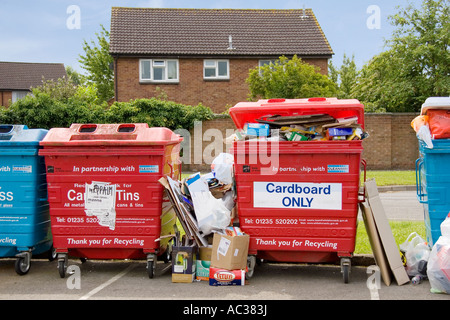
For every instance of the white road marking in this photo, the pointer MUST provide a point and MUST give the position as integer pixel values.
(107, 283)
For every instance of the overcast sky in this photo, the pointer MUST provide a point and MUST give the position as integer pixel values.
(54, 30)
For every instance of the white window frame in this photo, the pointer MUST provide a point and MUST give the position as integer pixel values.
(154, 64)
(216, 67)
(19, 94)
(261, 64)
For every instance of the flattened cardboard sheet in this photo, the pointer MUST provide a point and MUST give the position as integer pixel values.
(385, 233)
(375, 243)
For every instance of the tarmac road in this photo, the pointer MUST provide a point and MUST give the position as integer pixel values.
(401, 205)
(128, 280)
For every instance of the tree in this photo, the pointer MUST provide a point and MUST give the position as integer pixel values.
(345, 77)
(416, 64)
(289, 78)
(97, 62)
(77, 78)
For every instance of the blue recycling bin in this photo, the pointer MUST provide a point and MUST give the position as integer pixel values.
(433, 185)
(24, 210)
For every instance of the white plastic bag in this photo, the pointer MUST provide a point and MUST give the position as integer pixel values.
(222, 167)
(438, 270)
(424, 134)
(417, 253)
(228, 200)
(420, 125)
(445, 227)
(211, 213)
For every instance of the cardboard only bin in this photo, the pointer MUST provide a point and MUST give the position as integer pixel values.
(104, 195)
(24, 211)
(432, 174)
(298, 200)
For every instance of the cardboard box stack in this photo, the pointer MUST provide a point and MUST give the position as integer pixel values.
(229, 258)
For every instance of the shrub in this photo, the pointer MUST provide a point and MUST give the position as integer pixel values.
(59, 104)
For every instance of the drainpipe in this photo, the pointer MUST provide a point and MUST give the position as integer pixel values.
(116, 91)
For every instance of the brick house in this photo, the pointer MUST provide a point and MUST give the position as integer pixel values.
(204, 55)
(16, 78)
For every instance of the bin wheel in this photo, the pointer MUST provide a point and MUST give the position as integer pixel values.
(62, 265)
(151, 265)
(22, 265)
(168, 253)
(150, 270)
(61, 268)
(51, 254)
(346, 273)
(345, 269)
(166, 258)
(251, 262)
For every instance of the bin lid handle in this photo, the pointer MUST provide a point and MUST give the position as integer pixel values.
(6, 128)
(87, 128)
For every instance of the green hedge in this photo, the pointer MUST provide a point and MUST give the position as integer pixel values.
(45, 110)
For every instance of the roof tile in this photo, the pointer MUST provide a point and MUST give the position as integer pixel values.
(23, 75)
(153, 31)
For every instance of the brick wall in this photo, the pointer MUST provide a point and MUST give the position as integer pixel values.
(192, 89)
(392, 144)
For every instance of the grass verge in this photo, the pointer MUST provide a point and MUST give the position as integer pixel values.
(400, 229)
(389, 178)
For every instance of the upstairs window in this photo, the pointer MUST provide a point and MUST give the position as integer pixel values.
(17, 95)
(155, 70)
(216, 69)
(263, 63)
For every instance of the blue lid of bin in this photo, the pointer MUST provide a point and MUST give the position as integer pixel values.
(16, 135)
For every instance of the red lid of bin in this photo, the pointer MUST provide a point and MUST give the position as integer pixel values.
(110, 134)
(248, 112)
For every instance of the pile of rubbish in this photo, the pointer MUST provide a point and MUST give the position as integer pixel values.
(204, 203)
(433, 121)
(315, 127)
(422, 262)
(205, 208)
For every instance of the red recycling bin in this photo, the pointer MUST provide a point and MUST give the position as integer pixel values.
(104, 195)
(298, 200)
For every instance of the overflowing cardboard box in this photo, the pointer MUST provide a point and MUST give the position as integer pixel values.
(230, 252)
(184, 263)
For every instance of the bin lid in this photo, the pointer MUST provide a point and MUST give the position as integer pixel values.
(17, 135)
(248, 112)
(110, 134)
(435, 103)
